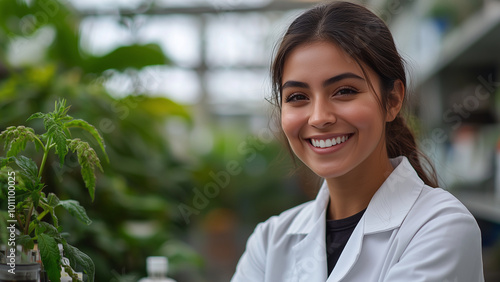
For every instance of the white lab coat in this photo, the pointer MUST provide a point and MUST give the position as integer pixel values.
(409, 232)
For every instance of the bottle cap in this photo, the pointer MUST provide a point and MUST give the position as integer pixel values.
(157, 264)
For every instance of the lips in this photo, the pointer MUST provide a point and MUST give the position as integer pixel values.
(319, 142)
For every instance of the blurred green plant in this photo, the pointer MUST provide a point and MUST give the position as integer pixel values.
(452, 13)
(135, 209)
(32, 204)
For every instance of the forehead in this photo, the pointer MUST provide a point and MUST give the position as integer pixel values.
(316, 59)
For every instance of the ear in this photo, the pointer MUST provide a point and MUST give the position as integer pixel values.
(395, 102)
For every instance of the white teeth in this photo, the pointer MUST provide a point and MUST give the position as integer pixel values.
(329, 142)
(322, 143)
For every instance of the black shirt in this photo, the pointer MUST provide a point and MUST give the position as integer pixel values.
(337, 235)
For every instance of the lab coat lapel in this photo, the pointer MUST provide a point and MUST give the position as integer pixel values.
(350, 253)
(394, 199)
(309, 254)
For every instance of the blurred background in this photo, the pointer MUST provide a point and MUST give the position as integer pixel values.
(178, 90)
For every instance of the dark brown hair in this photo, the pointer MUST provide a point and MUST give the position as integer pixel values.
(367, 39)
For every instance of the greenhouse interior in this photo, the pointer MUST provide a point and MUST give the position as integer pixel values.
(173, 146)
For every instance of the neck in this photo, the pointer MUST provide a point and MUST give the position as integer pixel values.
(352, 192)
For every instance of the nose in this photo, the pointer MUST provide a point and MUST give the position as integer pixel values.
(322, 114)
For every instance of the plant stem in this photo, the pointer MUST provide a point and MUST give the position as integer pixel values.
(44, 160)
(26, 227)
(40, 142)
(42, 165)
(42, 215)
(19, 221)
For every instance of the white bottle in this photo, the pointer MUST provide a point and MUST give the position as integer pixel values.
(157, 268)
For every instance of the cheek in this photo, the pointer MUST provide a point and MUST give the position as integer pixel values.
(291, 123)
(365, 116)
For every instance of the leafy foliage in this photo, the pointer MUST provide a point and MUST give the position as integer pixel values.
(25, 241)
(50, 256)
(89, 128)
(16, 138)
(74, 208)
(147, 179)
(76, 257)
(29, 170)
(54, 124)
(137, 56)
(38, 204)
(88, 161)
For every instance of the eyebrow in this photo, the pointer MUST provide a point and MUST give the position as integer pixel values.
(292, 83)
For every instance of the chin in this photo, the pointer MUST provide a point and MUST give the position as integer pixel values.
(328, 172)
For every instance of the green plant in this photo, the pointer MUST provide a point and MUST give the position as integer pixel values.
(148, 178)
(35, 210)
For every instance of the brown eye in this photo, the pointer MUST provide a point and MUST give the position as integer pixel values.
(295, 97)
(347, 91)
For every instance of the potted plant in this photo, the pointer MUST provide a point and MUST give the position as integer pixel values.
(30, 212)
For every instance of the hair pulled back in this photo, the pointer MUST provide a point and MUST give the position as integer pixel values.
(367, 39)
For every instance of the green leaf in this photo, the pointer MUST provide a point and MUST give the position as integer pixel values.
(40, 228)
(29, 168)
(16, 138)
(54, 217)
(25, 241)
(52, 200)
(134, 56)
(61, 111)
(88, 160)
(162, 108)
(5, 161)
(78, 258)
(49, 229)
(91, 129)
(51, 258)
(36, 115)
(35, 197)
(29, 171)
(88, 175)
(55, 132)
(74, 208)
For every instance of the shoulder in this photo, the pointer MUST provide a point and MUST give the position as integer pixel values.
(437, 201)
(422, 202)
(440, 241)
(439, 212)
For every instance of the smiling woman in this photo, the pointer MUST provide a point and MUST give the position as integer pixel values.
(331, 100)
(339, 85)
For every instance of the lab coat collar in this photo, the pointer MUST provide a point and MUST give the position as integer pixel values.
(312, 214)
(394, 199)
(386, 210)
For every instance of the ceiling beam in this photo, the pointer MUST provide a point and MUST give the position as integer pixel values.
(203, 9)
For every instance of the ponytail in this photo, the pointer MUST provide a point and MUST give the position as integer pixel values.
(400, 141)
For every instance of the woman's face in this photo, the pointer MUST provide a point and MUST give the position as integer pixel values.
(330, 115)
